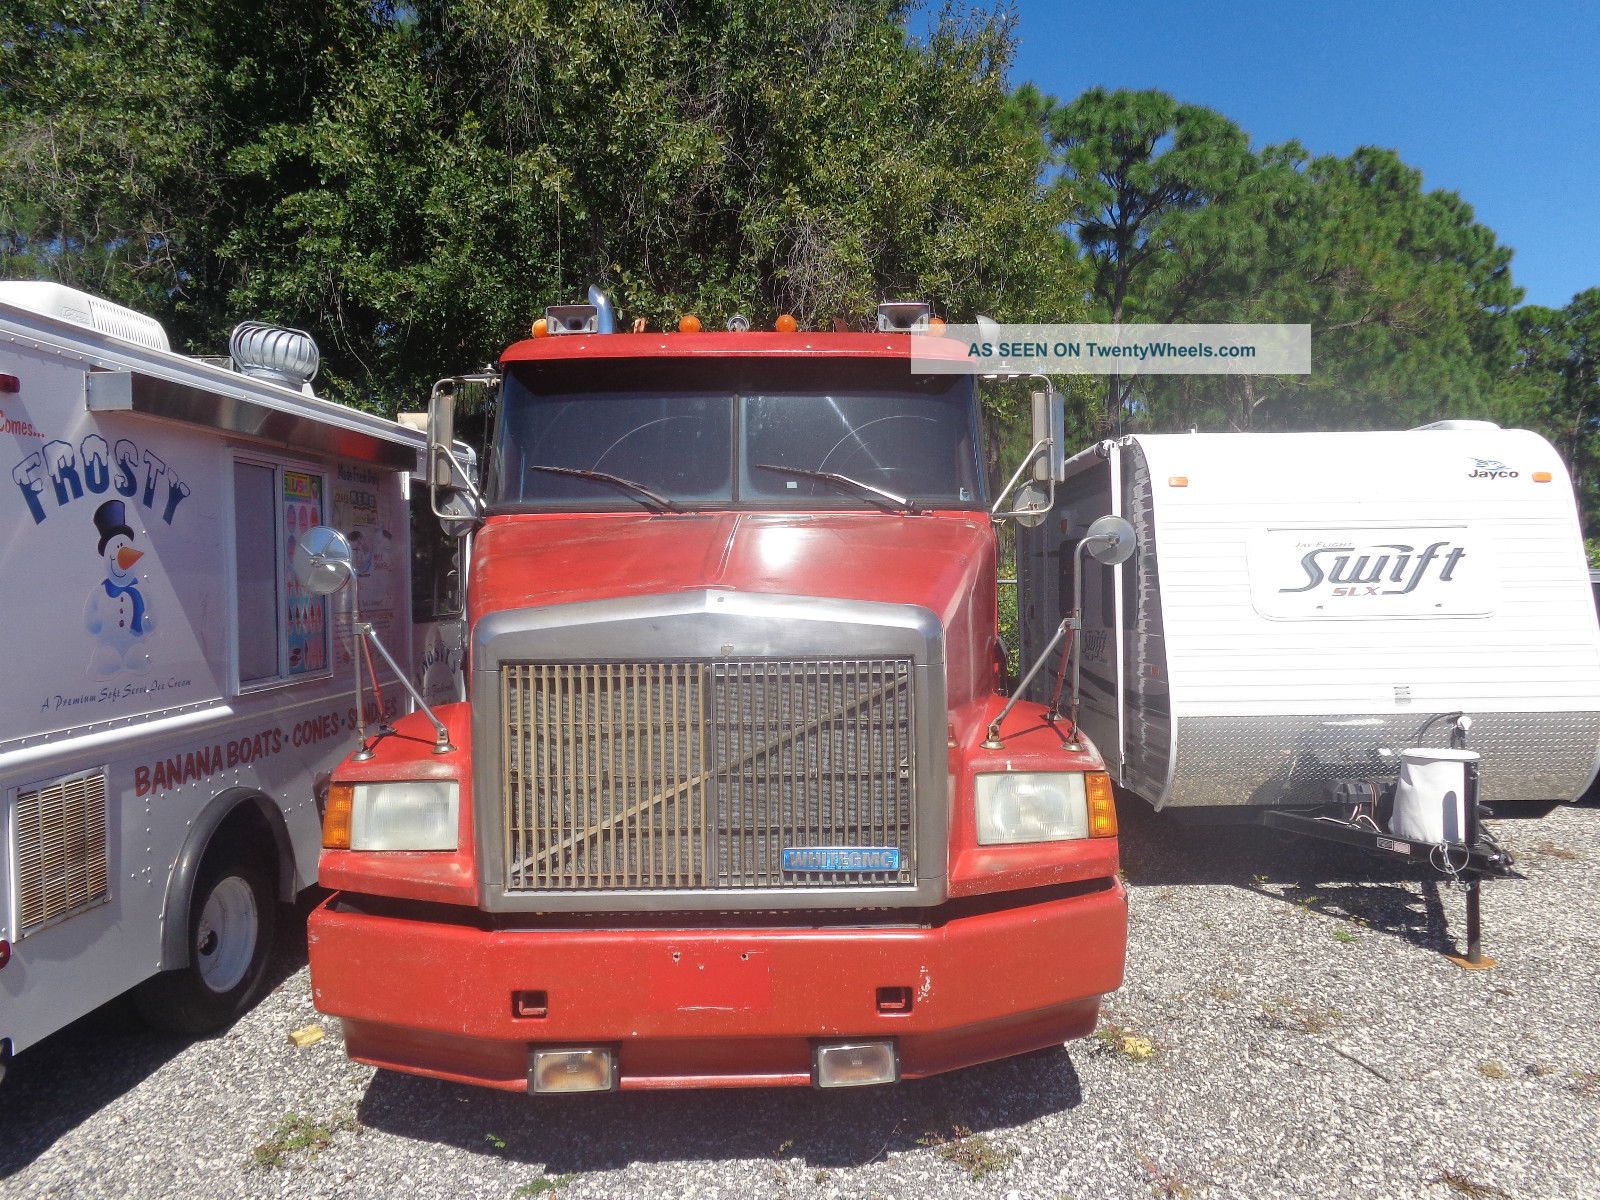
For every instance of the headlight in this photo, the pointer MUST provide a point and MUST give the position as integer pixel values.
(418, 814)
(1020, 807)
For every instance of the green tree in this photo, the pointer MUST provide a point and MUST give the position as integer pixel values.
(415, 183)
(1131, 165)
(1557, 375)
(117, 122)
(1408, 297)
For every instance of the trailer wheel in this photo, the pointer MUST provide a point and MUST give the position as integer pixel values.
(232, 915)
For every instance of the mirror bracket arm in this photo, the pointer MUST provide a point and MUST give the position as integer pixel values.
(1039, 447)
(442, 453)
(441, 741)
(1068, 625)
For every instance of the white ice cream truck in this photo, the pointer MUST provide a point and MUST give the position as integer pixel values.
(173, 699)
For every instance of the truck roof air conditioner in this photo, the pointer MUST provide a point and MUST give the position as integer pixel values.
(286, 356)
(85, 311)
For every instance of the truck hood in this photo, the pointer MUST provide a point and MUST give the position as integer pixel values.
(943, 562)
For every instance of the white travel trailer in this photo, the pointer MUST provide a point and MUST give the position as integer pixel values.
(173, 698)
(1302, 607)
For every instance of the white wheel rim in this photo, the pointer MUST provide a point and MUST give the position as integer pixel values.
(225, 939)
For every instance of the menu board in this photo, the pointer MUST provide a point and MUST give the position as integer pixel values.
(308, 613)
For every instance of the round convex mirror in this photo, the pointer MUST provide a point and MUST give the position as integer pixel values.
(322, 560)
(1032, 506)
(1110, 540)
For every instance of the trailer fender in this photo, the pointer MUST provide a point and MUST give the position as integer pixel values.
(235, 802)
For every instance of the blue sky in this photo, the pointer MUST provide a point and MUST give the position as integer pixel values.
(1499, 102)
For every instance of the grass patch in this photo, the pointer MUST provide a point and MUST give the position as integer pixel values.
(1470, 1188)
(1345, 937)
(974, 1153)
(545, 1185)
(1123, 1042)
(1166, 1185)
(297, 1133)
(1300, 1018)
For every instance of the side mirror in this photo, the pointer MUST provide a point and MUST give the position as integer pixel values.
(1050, 425)
(458, 513)
(322, 561)
(441, 435)
(1110, 540)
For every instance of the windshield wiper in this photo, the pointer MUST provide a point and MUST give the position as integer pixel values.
(885, 500)
(649, 498)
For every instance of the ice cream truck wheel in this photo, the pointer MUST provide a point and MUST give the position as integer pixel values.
(231, 918)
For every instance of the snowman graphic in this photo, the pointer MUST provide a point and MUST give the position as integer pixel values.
(116, 611)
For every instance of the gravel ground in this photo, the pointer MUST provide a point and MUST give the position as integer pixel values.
(1289, 1028)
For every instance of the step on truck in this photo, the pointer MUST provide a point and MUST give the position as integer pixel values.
(735, 797)
(173, 700)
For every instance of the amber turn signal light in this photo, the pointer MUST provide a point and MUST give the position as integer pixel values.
(336, 817)
(1102, 804)
(541, 328)
(1541, 476)
(786, 324)
(688, 323)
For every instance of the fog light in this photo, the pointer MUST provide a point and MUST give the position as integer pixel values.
(584, 1070)
(856, 1064)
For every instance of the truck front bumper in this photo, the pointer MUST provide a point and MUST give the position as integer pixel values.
(716, 1007)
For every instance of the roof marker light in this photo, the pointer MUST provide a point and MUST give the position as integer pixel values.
(688, 323)
(786, 324)
(541, 328)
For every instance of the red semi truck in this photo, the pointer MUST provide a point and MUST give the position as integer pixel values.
(732, 799)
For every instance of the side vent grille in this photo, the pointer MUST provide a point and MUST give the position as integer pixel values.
(61, 849)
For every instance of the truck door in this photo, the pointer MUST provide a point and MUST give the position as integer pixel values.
(438, 590)
(1045, 595)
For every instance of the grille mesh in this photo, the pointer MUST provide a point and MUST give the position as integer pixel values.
(674, 775)
(61, 848)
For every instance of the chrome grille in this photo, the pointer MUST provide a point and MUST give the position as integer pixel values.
(697, 775)
(61, 848)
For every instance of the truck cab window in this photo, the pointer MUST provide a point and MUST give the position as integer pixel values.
(677, 444)
(435, 564)
(711, 437)
(922, 446)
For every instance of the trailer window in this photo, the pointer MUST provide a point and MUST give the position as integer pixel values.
(282, 630)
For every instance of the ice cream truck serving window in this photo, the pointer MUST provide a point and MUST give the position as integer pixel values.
(282, 629)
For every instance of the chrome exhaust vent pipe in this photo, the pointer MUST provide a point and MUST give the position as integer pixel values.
(605, 312)
(286, 356)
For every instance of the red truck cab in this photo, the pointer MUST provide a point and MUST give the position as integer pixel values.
(721, 807)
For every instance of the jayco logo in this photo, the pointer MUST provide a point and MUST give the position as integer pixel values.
(1490, 468)
(1371, 572)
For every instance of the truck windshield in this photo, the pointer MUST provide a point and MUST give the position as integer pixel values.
(719, 435)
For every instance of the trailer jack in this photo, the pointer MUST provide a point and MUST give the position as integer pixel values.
(1470, 860)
